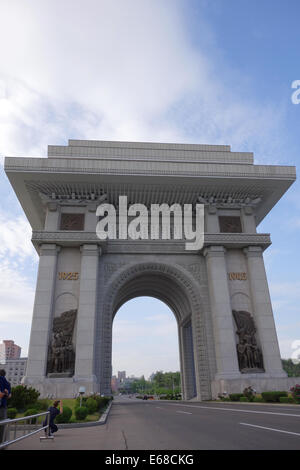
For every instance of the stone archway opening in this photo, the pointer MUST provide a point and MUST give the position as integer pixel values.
(145, 340)
(173, 287)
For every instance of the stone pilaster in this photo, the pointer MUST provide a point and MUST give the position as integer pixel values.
(42, 314)
(52, 216)
(262, 312)
(224, 335)
(248, 218)
(211, 219)
(85, 339)
(187, 361)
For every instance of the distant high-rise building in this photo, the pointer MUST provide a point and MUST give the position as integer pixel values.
(15, 370)
(121, 375)
(9, 350)
(114, 384)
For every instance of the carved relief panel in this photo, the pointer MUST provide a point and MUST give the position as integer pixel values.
(249, 354)
(72, 222)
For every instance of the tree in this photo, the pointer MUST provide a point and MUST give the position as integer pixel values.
(167, 382)
(23, 396)
(292, 369)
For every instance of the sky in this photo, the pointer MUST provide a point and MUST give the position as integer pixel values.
(196, 71)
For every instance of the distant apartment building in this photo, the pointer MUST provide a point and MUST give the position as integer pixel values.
(121, 382)
(9, 350)
(121, 375)
(15, 370)
(114, 384)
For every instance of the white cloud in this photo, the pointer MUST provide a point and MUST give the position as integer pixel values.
(17, 256)
(15, 238)
(119, 70)
(16, 294)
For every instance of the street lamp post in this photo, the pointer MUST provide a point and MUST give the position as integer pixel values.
(81, 392)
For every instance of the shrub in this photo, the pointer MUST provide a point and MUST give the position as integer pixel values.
(29, 412)
(23, 397)
(65, 416)
(235, 396)
(249, 392)
(102, 402)
(273, 397)
(284, 399)
(258, 400)
(244, 399)
(296, 393)
(81, 412)
(91, 405)
(11, 413)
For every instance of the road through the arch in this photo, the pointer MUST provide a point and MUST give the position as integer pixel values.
(158, 425)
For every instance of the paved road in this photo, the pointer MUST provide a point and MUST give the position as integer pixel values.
(134, 424)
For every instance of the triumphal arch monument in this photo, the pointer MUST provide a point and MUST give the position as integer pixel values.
(218, 290)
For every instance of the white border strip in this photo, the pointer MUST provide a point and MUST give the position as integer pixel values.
(271, 429)
(235, 409)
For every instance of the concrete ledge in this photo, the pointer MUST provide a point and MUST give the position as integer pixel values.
(260, 382)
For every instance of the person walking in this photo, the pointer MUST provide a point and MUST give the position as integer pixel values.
(54, 411)
(5, 393)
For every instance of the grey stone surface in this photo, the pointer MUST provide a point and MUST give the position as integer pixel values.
(196, 285)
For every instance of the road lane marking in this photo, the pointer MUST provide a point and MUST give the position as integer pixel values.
(184, 412)
(271, 429)
(159, 407)
(237, 410)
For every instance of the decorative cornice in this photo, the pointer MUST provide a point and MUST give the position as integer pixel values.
(78, 238)
(83, 166)
(229, 201)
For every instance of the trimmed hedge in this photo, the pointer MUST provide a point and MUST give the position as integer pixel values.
(11, 413)
(244, 399)
(65, 416)
(273, 397)
(81, 413)
(235, 396)
(31, 411)
(102, 402)
(258, 400)
(286, 400)
(91, 405)
(170, 396)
